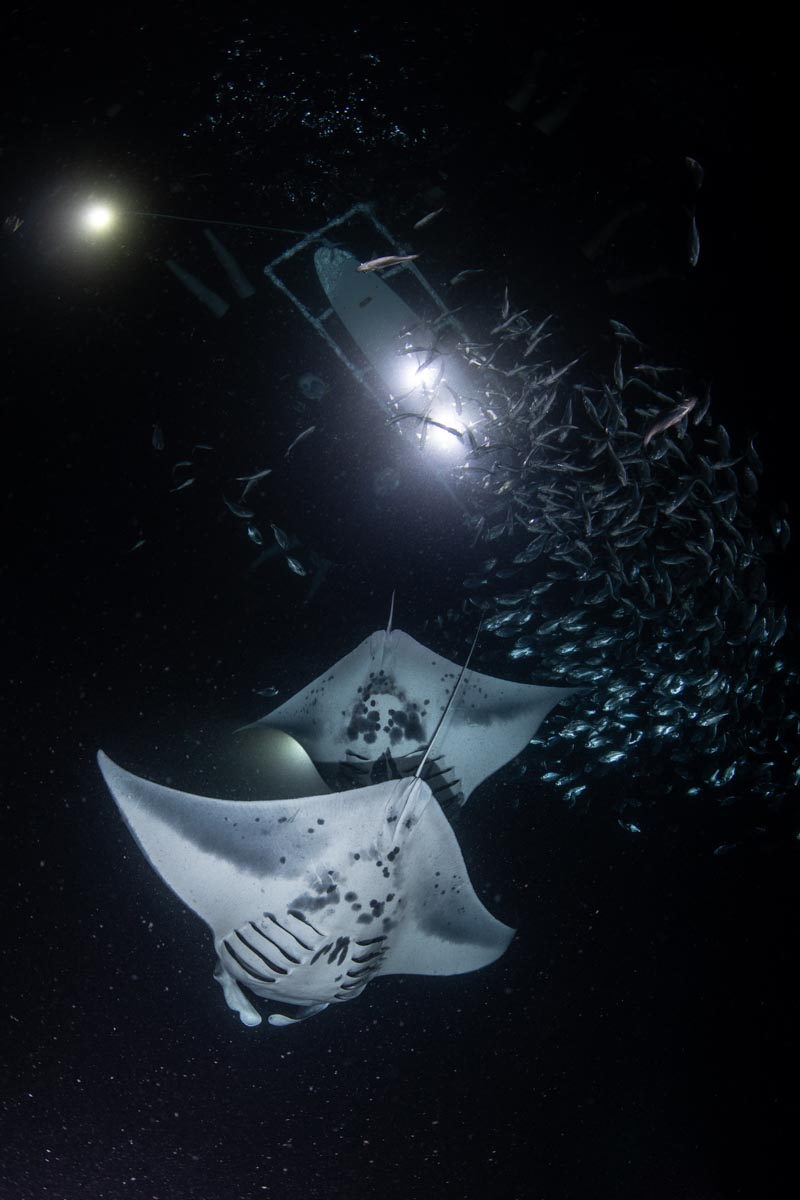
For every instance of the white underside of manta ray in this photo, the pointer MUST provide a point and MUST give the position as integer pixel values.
(373, 713)
(309, 899)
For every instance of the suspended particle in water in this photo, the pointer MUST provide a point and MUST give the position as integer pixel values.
(312, 387)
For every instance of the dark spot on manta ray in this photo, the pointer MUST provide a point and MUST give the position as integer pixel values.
(364, 919)
(351, 895)
(308, 903)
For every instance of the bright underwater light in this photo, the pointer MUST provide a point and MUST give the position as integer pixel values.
(443, 441)
(98, 218)
(427, 403)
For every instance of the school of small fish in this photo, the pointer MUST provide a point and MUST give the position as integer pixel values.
(629, 556)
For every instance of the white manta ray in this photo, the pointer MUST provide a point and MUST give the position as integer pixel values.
(373, 713)
(309, 899)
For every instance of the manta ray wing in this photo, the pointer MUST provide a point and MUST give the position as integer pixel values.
(308, 899)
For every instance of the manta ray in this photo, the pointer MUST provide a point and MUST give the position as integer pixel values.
(309, 899)
(372, 714)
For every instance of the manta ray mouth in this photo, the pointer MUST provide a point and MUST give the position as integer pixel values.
(359, 771)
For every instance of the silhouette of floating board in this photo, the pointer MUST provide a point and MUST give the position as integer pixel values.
(363, 314)
(371, 312)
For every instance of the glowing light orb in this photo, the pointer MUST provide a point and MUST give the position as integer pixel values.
(97, 218)
(445, 442)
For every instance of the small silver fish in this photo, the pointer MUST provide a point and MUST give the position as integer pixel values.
(682, 496)
(508, 320)
(426, 220)
(158, 438)
(250, 481)
(267, 691)
(186, 483)
(702, 409)
(388, 260)
(301, 437)
(426, 420)
(255, 535)
(696, 172)
(295, 566)
(280, 537)
(671, 418)
(253, 478)
(237, 510)
(694, 240)
(624, 333)
(462, 275)
(555, 375)
(536, 337)
(651, 371)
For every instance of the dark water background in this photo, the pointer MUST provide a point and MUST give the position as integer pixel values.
(638, 1039)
